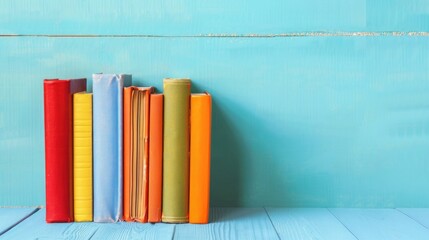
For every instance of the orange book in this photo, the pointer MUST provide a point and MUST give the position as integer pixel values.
(136, 153)
(155, 157)
(200, 134)
(127, 153)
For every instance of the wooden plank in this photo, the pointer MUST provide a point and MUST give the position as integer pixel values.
(125, 231)
(35, 227)
(300, 115)
(9, 217)
(188, 17)
(421, 215)
(398, 15)
(307, 223)
(368, 224)
(230, 223)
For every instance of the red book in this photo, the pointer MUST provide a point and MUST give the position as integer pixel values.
(58, 100)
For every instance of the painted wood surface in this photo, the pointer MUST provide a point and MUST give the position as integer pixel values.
(230, 223)
(308, 223)
(297, 122)
(9, 217)
(238, 223)
(188, 17)
(376, 224)
(35, 227)
(159, 231)
(420, 215)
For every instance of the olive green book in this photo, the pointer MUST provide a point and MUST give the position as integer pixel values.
(175, 200)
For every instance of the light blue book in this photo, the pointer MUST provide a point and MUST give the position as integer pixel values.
(107, 146)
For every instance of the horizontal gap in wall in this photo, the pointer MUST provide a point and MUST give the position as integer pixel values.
(280, 35)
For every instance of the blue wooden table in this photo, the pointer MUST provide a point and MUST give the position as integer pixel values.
(235, 223)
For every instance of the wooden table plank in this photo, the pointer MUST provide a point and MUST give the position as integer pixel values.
(9, 217)
(308, 223)
(35, 227)
(230, 223)
(368, 224)
(122, 230)
(421, 215)
(237, 223)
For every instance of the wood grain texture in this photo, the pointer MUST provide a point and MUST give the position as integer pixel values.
(133, 230)
(307, 223)
(238, 223)
(187, 17)
(376, 224)
(9, 217)
(322, 122)
(230, 223)
(35, 227)
(420, 215)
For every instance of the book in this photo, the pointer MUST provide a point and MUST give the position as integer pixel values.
(58, 112)
(136, 153)
(108, 145)
(156, 116)
(82, 156)
(199, 188)
(175, 183)
(127, 154)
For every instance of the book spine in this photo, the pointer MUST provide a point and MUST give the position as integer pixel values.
(58, 114)
(108, 148)
(155, 157)
(82, 156)
(176, 150)
(127, 153)
(199, 189)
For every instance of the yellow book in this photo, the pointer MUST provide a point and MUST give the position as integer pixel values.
(82, 156)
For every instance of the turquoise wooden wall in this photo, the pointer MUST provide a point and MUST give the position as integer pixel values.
(315, 103)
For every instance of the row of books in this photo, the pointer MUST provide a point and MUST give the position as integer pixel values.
(125, 152)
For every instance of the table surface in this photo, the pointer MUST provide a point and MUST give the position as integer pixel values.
(234, 223)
